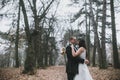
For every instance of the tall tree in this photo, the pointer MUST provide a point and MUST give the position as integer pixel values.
(39, 21)
(17, 40)
(114, 40)
(37, 34)
(103, 39)
(96, 34)
(87, 31)
(84, 12)
(95, 46)
(30, 57)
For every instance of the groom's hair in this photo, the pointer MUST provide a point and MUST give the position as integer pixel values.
(71, 38)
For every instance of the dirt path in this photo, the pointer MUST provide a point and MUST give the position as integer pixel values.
(56, 73)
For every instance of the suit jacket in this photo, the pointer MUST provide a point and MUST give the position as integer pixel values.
(73, 62)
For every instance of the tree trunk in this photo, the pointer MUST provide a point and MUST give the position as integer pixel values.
(94, 53)
(17, 40)
(104, 62)
(96, 35)
(30, 56)
(87, 34)
(46, 58)
(114, 40)
(50, 59)
(38, 39)
(95, 46)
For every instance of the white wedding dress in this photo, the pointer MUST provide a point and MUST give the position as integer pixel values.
(84, 73)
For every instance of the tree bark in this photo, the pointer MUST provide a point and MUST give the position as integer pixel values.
(94, 53)
(17, 40)
(114, 40)
(96, 35)
(104, 62)
(30, 56)
(87, 34)
(38, 46)
(95, 42)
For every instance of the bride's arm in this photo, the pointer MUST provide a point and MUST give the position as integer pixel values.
(80, 50)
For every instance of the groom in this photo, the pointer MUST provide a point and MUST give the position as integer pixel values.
(73, 62)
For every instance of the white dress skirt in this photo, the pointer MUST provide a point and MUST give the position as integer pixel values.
(84, 73)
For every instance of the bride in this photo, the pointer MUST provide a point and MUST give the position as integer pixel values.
(84, 73)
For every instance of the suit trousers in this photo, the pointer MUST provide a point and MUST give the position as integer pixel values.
(70, 76)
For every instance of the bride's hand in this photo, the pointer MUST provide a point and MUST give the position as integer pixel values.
(86, 61)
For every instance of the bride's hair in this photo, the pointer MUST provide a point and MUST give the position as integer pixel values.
(82, 43)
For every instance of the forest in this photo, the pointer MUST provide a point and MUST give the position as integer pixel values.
(33, 34)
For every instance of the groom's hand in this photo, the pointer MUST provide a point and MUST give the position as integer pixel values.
(86, 61)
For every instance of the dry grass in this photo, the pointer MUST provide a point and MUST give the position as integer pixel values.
(56, 73)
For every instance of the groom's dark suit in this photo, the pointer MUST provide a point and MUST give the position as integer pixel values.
(72, 63)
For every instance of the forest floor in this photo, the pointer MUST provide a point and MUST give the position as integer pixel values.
(56, 73)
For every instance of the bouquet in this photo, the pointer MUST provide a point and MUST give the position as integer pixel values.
(63, 51)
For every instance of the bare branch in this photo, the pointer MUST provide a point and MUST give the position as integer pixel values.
(31, 6)
(45, 11)
(41, 7)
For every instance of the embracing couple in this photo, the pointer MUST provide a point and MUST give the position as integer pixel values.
(76, 66)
